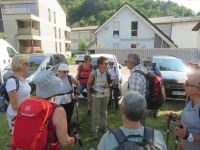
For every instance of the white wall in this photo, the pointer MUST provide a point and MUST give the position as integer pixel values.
(145, 38)
(198, 40)
(183, 36)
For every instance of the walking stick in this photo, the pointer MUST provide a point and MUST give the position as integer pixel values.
(168, 123)
(77, 116)
(81, 144)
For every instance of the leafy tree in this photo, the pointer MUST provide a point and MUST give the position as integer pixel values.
(82, 46)
(3, 35)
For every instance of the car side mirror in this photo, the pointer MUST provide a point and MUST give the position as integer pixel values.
(120, 66)
(48, 67)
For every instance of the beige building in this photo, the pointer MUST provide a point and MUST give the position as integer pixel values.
(82, 33)
(34, 25)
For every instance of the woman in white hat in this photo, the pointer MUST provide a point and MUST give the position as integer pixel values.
(66, 91)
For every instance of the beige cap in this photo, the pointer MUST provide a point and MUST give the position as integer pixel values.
(63, 67)
(149, 59)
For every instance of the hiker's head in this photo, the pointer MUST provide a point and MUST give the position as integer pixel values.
(47, 84)
(20, 63)
(63, 70)
(102, 62)
(132, 61)
(192, 85)
(193, 65)
(87, 58)
(148, 61)
(111, 63)
(133, 106)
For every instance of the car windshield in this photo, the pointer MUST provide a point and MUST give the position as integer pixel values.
(35, 61)
(168, 64)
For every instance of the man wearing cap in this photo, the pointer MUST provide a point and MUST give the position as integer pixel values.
(151, 66)
(193, 65)
(136, 81)
(132, 107)
(65, 93)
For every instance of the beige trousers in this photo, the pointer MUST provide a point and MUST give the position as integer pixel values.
(99, 113)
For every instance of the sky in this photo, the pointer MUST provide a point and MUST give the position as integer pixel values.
(192, 4)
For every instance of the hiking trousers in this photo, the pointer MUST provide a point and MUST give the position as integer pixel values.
(99, 112)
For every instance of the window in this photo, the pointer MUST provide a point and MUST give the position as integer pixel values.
(55, 32)
(60, 47)
(11, 52)
(133, 46)
(54, 15)
(59, 33)
(115, 33)
(115, 28)
(21, 24)
(56, 47)
(134, 28)
(49, 14)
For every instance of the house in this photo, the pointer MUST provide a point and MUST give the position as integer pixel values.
(35, 25)
(85, 34)
(179, 29)
(196, 29)
(128, 28)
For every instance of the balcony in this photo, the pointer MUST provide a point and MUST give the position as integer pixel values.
(28, 31)
(28, 50)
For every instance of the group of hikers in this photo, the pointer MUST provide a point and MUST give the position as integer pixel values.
(42, 121)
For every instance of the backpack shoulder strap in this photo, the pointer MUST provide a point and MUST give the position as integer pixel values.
(16, 80)
(149, 134)
(108, 77)
(70, 79)
(115, 69)
(119, 135)
(142, 73)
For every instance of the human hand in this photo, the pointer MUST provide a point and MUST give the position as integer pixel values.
(180, 132)
(170, 115)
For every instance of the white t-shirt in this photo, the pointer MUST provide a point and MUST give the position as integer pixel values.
(113, 72)
(22, 93)
(65, 88)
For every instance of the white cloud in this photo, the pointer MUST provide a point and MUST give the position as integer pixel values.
(192, 4)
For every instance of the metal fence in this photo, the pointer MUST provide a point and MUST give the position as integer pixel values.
(185, 54)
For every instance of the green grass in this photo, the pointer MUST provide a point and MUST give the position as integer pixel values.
(114, 121)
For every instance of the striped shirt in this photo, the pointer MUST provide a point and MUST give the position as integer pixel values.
(84, 73)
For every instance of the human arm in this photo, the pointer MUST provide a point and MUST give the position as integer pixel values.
(12, 93)
(60, 122)
(89, 85)
(78, 73)
(159, 140)
(76, 83)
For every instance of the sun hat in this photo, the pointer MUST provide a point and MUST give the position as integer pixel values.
(47, 84)
(111, 60)
(148, 59)
(194, 61)
(63, 67)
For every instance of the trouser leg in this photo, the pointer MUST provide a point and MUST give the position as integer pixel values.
(103, 112)
(95, 114)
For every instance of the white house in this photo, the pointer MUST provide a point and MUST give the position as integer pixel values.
(196, 29)
(179, 29)
(33, 25)
(128, 28)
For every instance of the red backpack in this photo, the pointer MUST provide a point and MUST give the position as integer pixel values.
(155, 90)
(30, 129)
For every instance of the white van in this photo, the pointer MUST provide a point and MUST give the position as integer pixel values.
(7, 52)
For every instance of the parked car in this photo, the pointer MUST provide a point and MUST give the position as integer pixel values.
(109, 56)
(80, 56)
(7, 53)
(38, 62)
(174, 74)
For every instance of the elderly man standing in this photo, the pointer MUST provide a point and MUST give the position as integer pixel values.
(136, 81)
(132, 107)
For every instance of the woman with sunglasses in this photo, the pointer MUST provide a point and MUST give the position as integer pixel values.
(17, 87)
(66, 91)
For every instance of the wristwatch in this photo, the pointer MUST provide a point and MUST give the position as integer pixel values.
(190, 137)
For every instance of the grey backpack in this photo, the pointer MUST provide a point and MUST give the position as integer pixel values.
(125, 144)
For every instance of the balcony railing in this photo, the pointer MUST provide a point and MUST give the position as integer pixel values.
(28, 50)
(28, 31)
(6, 11)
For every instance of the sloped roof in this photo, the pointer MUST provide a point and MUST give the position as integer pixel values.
(196, 27)
(146, 20)
(87, 28)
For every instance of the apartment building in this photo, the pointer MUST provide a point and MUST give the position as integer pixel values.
(35, 25)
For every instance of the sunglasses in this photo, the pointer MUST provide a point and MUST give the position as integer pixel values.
(111, 63)
(64, 71)
(26, 63)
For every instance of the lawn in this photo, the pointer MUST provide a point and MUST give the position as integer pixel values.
(114, 120)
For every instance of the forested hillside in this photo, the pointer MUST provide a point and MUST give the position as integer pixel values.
(95, 12)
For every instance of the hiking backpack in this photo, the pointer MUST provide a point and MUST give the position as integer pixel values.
(155, 95)
(81, 69)
(125, 144)
(4, 98)
(30, 125)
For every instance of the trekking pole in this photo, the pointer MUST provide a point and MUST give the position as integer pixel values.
(168, 124)
(77, 115)
(81, 144)
(178, 123)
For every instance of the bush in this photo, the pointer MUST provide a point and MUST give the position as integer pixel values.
(71, 60)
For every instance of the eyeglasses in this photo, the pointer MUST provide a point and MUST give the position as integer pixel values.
(26, 63)
(188, 84)
(105, 63)
(111, 63)
(64, 71)
(89, 59)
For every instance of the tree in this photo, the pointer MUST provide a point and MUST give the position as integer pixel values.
(82, 46)
(3, 35)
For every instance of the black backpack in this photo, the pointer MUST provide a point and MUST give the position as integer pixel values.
(155, 95)
(125, 144)
(4, 98)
